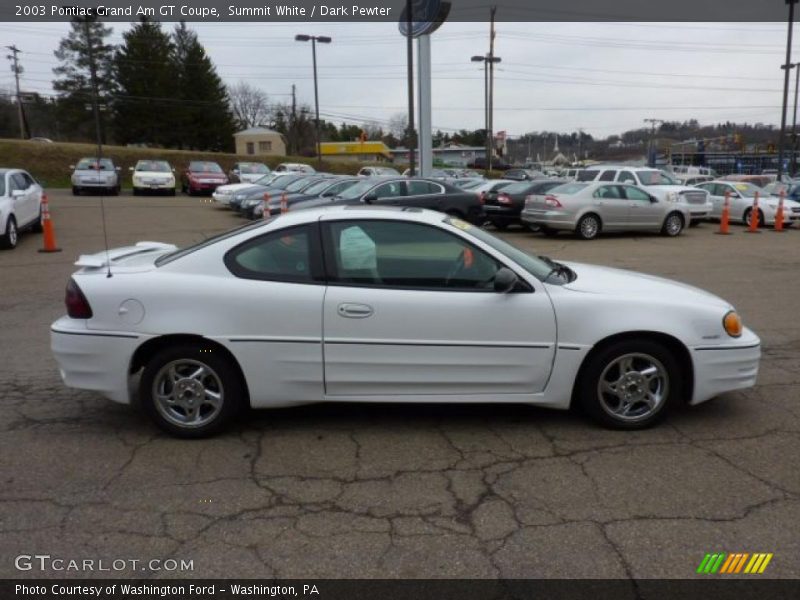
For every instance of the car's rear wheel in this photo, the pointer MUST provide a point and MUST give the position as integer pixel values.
(629, 384)
(190, 391)
(748, 215)
(673, 225)
(8, 241)
(588, 227)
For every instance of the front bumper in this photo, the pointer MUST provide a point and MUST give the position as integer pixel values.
(93, 360)
(725, 367)
(159, 186)
(95, 185)
(224, 199)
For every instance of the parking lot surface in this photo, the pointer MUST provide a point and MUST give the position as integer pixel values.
(398, 490)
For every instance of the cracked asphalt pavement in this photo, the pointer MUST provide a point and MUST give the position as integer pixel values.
(400, 491)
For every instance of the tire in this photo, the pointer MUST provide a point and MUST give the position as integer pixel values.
(76, 191)
(746, 217)
(499, 225)
(170, 370)
(549, 232)
(588, 227)
(9, 239)
(673, 225)
(647, 401)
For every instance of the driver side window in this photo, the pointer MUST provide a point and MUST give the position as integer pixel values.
(389, 190)
(405, 255)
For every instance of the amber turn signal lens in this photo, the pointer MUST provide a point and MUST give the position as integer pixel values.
(732, 324)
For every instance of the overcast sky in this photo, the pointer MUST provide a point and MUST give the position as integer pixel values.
(602, 77)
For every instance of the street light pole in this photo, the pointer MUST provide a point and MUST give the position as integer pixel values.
(322, 40)
(796, 67)
(487, 60)
(786, 67)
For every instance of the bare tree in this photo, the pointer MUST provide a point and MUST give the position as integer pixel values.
(250, 105)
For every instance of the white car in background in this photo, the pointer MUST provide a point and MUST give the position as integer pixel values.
(248, 172)
(153, 176)
(225, 193)
(656, 182)
(295, 168)
(20, 206)
(378, 304)
(742, 196)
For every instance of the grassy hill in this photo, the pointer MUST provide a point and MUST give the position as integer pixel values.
(50, 163)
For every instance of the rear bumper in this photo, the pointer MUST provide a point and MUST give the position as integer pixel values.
(549, 218)
(93, 360)
(726, 367)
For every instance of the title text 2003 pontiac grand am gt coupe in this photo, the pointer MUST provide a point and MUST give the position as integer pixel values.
(388, 305)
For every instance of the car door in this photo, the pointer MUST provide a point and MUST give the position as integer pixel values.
(410, 313)
(391, 192)
(643, 213)
(273, 313)
(20, 198)
(612, 206)
(424, 194)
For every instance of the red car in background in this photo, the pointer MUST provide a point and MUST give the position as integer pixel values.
(202, 177)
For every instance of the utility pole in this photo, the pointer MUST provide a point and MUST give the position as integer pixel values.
(796, 67)
(492, 12)
(786, 68)
(293, 122)
(16, 69)
(651, 159)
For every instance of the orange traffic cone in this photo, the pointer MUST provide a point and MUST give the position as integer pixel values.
(779, 216)
(725, 219)
(284, 203)
(265, 206)
(47, 226)
(754, 217)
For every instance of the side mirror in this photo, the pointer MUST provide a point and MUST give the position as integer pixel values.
(370, 198)
(17, 193)
(653, 199)
(505, 280)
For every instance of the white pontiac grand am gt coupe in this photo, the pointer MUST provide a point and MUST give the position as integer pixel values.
(368, 304)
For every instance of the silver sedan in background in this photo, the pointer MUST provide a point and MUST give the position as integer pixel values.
(590, 208)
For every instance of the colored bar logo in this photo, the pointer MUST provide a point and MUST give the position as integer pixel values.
(734, 563)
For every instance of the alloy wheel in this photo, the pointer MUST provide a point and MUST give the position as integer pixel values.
(188, 393)
(633, 387)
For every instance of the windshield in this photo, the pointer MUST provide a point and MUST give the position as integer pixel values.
(300, 184)
(586, 175)
(319, 187)
(356, 190)
(569, 189)
(535, 266)
(204, 167)
(86, 164)
(154, 166)
(253, 168)
(748, 190)
(655, 178)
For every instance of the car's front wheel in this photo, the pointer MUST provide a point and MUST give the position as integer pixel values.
(8, 241)
(673, 225)
(191, 391)
(629, 384)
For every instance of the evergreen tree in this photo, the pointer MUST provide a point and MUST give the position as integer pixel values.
(145, 85)
(205, 121)
(73, 79)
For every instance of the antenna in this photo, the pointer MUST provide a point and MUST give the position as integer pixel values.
(96, 110)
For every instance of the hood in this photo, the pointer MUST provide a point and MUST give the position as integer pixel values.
(207, 175)
(593, 279)
(232, 188)
(251, 177)
(164, 174)
(673, 188)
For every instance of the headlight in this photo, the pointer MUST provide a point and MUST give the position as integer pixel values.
(239, 197)
(673, 197)
(732, 324)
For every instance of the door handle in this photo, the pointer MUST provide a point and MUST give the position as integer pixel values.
(355, 311)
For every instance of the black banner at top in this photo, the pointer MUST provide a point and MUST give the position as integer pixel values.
(391, 10)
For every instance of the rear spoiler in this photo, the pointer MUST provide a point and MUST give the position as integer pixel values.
(105, 258)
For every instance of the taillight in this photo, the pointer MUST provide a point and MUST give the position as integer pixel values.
(552, 202)
(77, 305)
(504, 199)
